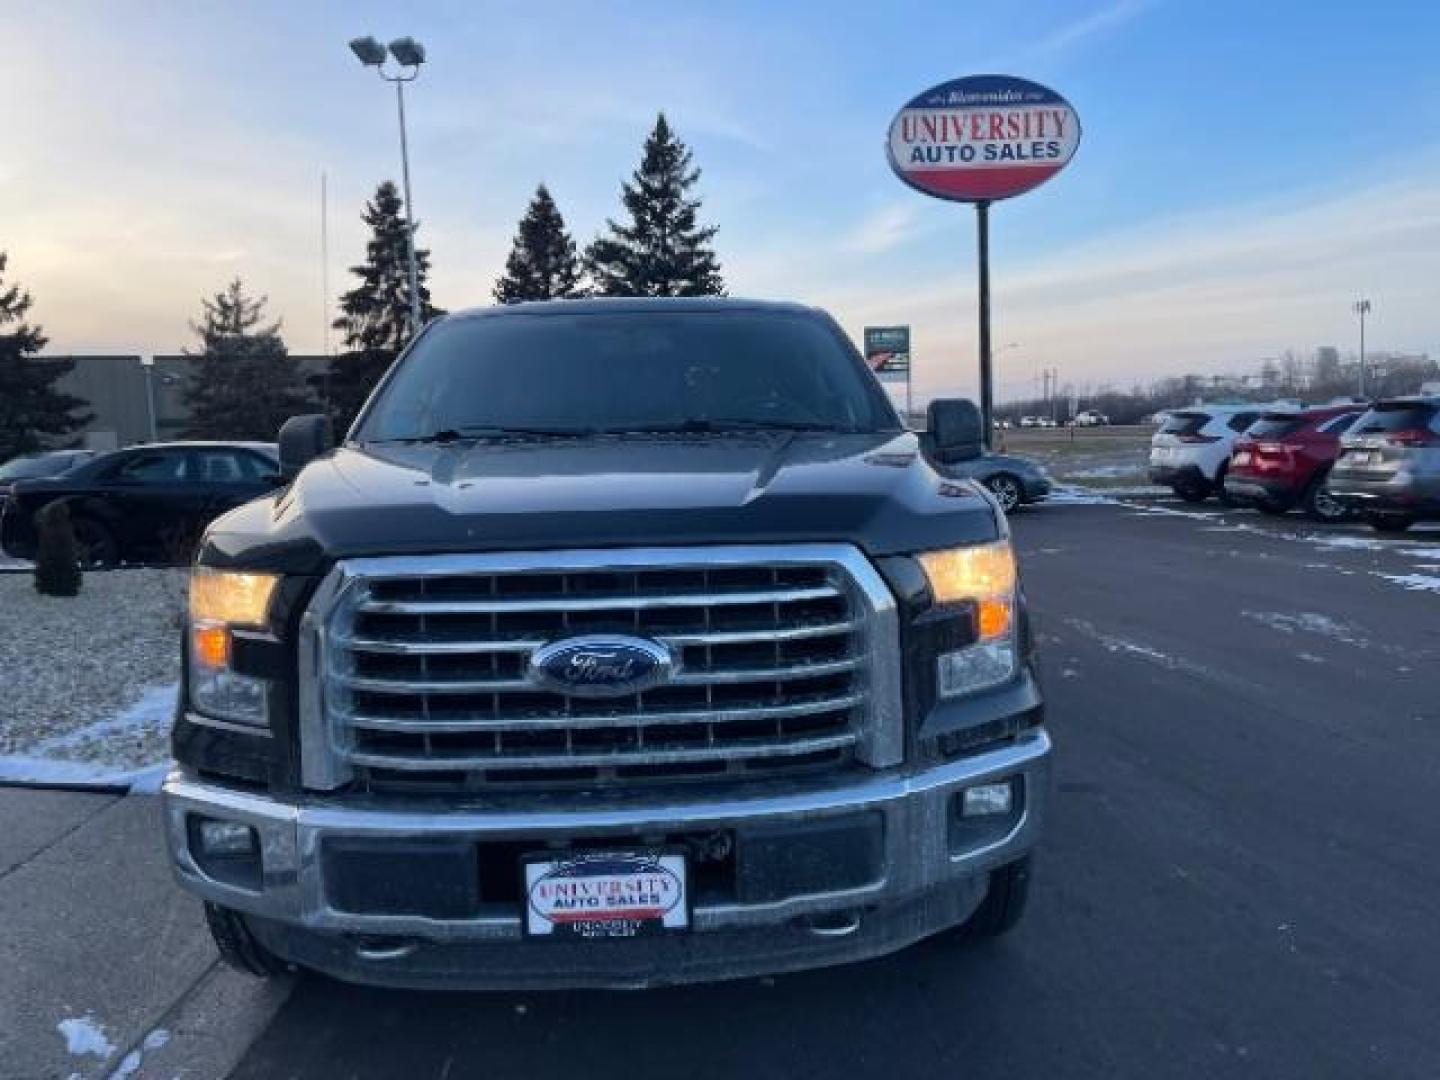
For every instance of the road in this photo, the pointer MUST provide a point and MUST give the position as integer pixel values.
(1240, 878)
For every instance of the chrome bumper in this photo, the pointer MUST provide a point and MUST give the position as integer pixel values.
(926, 873)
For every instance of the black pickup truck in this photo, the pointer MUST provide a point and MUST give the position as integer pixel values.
(620, 643)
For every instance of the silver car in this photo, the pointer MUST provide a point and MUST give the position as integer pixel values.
(1013, 480)
(1389, 464)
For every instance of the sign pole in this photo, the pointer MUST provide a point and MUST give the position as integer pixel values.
(987, 402)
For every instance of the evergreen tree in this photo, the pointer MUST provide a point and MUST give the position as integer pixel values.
(244, 384)
(661, 251)
(33, 414)
(542, 263)
(375, 314)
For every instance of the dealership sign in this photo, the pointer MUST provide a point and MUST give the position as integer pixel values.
(887, 351)
(983, 137)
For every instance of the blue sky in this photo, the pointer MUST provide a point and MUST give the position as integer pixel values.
(1246, 170)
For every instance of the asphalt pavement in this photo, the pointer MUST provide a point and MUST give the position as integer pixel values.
(1239, 878)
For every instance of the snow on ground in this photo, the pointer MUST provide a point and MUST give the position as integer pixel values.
(89, 682)
(1413, 582)
(84, 1037)
(1308, 622)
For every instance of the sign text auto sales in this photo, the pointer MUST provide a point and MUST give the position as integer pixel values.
(955, 136)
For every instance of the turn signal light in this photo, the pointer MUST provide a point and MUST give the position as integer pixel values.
(992, 618)
(211, 645)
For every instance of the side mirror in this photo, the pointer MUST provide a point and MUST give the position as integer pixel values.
(955, 430)
(302, 440)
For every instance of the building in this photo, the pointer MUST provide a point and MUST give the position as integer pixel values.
(138, 399)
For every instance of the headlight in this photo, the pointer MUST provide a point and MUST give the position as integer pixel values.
(984, 575)
(221, 600)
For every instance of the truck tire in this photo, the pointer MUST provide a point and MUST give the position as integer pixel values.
(96, 543)
(1003, 905)
(238, 947)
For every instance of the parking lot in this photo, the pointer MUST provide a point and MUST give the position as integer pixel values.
(1239, 877)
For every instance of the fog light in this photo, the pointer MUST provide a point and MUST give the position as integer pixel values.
(227, 838)
(986, 800)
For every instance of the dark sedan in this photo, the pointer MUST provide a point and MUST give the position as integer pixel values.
(37, 466)
(144, 504)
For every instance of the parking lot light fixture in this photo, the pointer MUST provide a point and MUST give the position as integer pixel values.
(369, 51)
(409, 54)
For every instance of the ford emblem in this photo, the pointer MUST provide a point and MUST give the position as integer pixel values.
(601, 665)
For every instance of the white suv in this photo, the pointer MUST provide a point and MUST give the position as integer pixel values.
(1191, 451)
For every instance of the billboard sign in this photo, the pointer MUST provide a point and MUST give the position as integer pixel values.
(887, 352)
(982, 137)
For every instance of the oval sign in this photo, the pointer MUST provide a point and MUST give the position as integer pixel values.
(601, 665)
(983, 137)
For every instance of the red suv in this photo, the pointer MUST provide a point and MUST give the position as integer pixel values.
(1282, 461)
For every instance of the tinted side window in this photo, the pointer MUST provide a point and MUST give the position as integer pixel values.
(223, 467)
(1241, 421)
(1275, 426)
(257, 467)
(151, 467)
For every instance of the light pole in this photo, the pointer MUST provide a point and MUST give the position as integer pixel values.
(147, 364)
(1362, 308)
(408, 53)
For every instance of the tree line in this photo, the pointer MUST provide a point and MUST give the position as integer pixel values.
(244, 383)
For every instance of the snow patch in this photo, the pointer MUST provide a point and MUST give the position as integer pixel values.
(48, 765)
(156, 708)
(132, 1061)
(84, 1036)
(1413, 582)
(1076, 496)
(1346, 543)
(1309, 622)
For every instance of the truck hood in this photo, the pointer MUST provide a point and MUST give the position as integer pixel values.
(875, 491)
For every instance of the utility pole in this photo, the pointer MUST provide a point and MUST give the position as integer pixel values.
(1362, 308)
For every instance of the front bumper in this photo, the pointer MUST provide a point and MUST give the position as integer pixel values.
(932, 871)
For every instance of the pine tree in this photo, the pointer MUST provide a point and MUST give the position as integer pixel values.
(244, 384)
(375, 315)
(542, 263)
(33, 414)
(661, 251)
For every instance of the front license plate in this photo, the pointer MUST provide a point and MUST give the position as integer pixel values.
(605, 894)
(1362, 457)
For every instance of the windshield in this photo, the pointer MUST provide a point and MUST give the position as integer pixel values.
(1184, 423)
(1400, 416)
(29, 468)
(1275, 426)
(628, 371)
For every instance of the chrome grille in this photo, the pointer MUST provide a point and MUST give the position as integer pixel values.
(785, 659)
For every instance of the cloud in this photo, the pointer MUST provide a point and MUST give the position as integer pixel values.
(1097, 22)
(1205, 292)
(883, 229)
